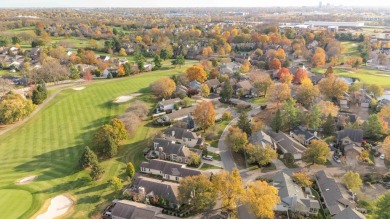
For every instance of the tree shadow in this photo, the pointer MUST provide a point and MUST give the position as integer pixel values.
(93, 189)
(69, 185)
(89, 199)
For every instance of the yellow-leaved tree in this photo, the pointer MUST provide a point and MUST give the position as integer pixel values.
(204, 115)
(196, 72)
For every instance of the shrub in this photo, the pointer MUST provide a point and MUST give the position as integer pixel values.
(227, 116)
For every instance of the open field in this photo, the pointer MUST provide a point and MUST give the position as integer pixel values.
(13, 202)
(50, 143)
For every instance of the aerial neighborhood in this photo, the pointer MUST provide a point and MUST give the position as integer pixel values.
(195, 112)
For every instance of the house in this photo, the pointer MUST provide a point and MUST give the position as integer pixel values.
(344, 101)
(107, 71)
(125, 209)
(288, 145)
(343, 119)
(35, 53)
(167, 105)
(229, 68)
(213, 84)
(181, 90)
(179, 114)
(104, 58)
(184, 136)
(350, 136)
(293, 197)
(261, 139)
(302, 135)
(170, 150)
(244, 88)
(168, 170)
(332, 196)
(195, 85)
(349, 213)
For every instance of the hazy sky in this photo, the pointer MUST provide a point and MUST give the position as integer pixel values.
(185, 3)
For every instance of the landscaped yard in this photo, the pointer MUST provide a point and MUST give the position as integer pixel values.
(207, 166)
(50, 143)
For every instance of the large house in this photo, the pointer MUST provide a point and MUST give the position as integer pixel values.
(170, 150)
(261, 139)
(245, 88)
(167, 105)
(213, 84)
(288, 145)
(229, 68)
(293, 197)
(303, 136)
(168, 170)
(350, 136)
(184, 136)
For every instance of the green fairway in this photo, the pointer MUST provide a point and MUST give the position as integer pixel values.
(13, 202)
(50, 143)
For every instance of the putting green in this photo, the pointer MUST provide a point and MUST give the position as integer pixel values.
(14, 203)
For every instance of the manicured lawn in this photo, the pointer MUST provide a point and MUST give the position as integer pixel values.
(50, 143)
(206, 166)
(258, 100)
(219, 127)
(214, 155)
(14, 202)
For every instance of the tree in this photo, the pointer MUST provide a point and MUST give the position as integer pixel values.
(316, 153)
(328, 128)
(315, 118)
(14, 107)
(375, 90)
(276, 122)
(237, 139)
(289, 114)
(300, 75)
(382, 59)
(327, 108)
(74, 72)
(262, 82)
(178, 61)
(329, 71)
(205, 90)
(207, 52)
(204, 115)
(302, 179)
(194, 159)
(230, 188)
(88, 158)
(246, 66)
(354, 61)
(285, 76)
(164, 54)
(382, 206)
(119, 130)
(226, 92)
(196, 72)
(121, 71)
(279, 93)
(39, 94)
(157, 62)
(122, 52)
(139, 60)
(261, 156)
(116, 183)
(352, 180)
(130, 170)
(332, 87)
(198, 192)
(261, 199)
(385, 112)
(275, 64)
(307, 92)
(96, 172)
(244, 124)
(373, 127)
(163, 88)
(16, 40)
(318, 57)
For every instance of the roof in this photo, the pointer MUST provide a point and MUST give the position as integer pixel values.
(350, 214)
(212, 82)
(356, 135)
(180, 133)
(170, 168)
(287, 143)
(169, 147)
(300, 131)
(181, 113)
(195, 85)
(350, 117)
(246, 85)
(135, 210)
(330, 192)
(170, 101)
(155, 187)
(260, 138)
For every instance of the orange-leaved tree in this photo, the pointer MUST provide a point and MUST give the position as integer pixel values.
(300, 75)
(275, 64)
(196, 72)
(204, 115)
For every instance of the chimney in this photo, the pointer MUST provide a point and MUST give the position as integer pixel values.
(315, 133)
(173, 133)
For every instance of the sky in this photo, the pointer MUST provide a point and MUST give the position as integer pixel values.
(185, 3)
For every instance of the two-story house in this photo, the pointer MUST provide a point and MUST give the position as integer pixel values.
(184, 136)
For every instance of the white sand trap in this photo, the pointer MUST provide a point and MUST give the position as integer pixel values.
(27, 179)
(59, 205)
(123, 99)
(78, 88)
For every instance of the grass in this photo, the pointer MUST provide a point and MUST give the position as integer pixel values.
(218, 128)
(50, 143)
(206, 166)
(258, 100)
(214, 155)
(14, 202)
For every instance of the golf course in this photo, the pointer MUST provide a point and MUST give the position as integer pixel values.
(49, 145)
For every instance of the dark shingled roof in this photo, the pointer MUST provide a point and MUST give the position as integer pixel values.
(286, 142)
(170, 147)
(350, 214)
(170, 168)
(298, 130)
(356, 135)
(134, 210)
(154, 187)
(212, 83)
(180, 133)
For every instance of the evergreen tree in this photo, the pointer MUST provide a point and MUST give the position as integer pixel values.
(179, 61)
(96, 172)
(111, 148)
(39, 94)
(289, 114)
(315, 117)
(88, 158)
(128, 70)
(244, 124)
(157, 62)
(373, 127)
(276, 123)
(130, 169)
(226, 92)
(109, 75)
(164, 54)
(74, 72)
(328, 128)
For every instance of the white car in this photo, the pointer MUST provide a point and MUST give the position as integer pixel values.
(208, 157)
(382, 157)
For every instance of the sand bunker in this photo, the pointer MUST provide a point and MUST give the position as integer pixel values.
(59, 205)
(27, 179)
(123, 99)
(78, 88)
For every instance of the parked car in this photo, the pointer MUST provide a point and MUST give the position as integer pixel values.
(382, 157)
(377, 154)
(208, 157)
(336, 159)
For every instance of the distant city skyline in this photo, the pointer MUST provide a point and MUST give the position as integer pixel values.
(185, 3)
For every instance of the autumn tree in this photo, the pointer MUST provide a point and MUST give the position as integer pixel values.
(261, 198)
(314, 118)
(386, 147)
(329, 71)
(121, 71)
(196, 72)
(246, 66)
(194, 159)
(14, 107)
(163, 88)
(204, 115)
(205, 90)
(226, 92)
(316, 153)
(88, 158)
(279, 93)
(275, 64)
(230, 189)
(285, 76)
(354, 61)
(382, 206)
(302, 178)
(300, 75)
(207, 52)
(198, 192)
(327, 108)
(318, 57)
(307, 92)
(130, 170)
(116, 183)
(237, 139)
(375, 90)
(122, 52)
(262, 82)
(259, 155)
(352, 180)
(333, 87)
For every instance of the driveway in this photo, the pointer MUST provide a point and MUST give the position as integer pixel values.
(379, 162)
(213, 162)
